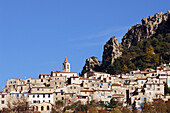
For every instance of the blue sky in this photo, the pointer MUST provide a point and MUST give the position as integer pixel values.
(36, 35)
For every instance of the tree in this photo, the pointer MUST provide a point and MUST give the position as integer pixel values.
(125, 110)
(147, 108)
(168, 106)
(134, 110)
(18, 105)
(113, 103)
(103, 111)
(92, 110)
(81, 108)
(58, 107)
(166, 89)
(116, 110)
(101, 104)
(125, 68)
(160, 106)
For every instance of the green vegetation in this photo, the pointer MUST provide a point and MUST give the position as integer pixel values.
(166, 89)
(58, 107)
(149, 53)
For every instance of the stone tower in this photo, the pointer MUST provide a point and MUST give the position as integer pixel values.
(66, 66)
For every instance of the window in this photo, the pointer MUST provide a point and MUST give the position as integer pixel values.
(33, 96)
(92, 85)
(2, 102)
(48, 95)
(109, 78)
(42, 108)
(62, 98)
(56, 98)
(55, 83)
(43, 76)
(55, 93)
(37, 96)
(28, 80)
(74, 87)
(43, 95)
(61, 93)
(158, 84)
(38, 89)
(158, 89)
(163, 74)
(49, 101)
(60, 83)
(41, 80)
(70, 87)
(48, 108)
(3, 96)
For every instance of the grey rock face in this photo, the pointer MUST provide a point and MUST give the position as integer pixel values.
(149, 27)
(92, 64)
(112, 51)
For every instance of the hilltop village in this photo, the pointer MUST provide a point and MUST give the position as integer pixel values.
(41, 93)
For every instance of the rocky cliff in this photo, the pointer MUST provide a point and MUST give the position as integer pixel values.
(159, 24)
(92, 64)
(149, 28)
(112, 51)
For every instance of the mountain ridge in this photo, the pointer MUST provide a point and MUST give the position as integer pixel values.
(154, 26)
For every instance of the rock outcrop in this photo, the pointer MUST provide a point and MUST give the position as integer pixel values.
(112, 51)
(92, 64)
(151, 26)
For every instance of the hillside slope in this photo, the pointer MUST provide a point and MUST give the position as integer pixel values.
(144, 45)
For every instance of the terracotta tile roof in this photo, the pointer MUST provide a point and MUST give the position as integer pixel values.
(116, 85)
(141, 79)
(118, 95)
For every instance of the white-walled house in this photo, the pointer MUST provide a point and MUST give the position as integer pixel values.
(40, 97)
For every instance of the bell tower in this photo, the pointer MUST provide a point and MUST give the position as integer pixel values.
(66, 66)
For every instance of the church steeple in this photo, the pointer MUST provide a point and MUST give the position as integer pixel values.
(66, 66)
(66, 61)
